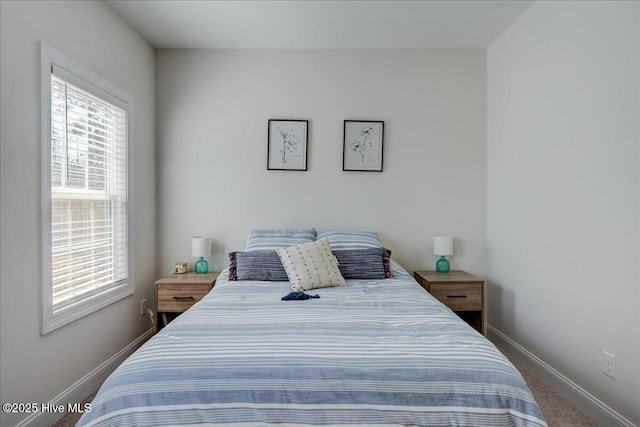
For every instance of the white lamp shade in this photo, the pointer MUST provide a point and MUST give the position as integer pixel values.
(200, 246)
(442, 245)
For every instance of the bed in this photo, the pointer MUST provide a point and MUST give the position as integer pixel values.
(373, 352)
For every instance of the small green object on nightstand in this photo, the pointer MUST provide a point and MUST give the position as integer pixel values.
(442, 265)
(202, 266)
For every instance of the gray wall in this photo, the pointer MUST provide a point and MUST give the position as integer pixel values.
(36, 368)
(213, 108)
(563, 175)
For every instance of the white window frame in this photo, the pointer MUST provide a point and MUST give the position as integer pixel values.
(102, 88)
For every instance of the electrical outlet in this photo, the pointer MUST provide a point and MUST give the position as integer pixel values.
(143, 307)
(609, 364)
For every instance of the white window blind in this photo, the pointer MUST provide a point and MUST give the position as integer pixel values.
(86, 217)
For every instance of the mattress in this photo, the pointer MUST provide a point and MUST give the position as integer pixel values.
(374, 352)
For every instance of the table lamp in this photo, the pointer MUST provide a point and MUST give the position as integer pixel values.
(442, 245)
(201, 247)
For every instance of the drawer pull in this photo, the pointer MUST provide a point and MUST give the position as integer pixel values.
(184, 298)
(456, 296)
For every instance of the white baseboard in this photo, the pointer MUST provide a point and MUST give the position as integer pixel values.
(85, 385)
(600, 412)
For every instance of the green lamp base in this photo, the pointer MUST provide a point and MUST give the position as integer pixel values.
(202, 266)
(442, 265)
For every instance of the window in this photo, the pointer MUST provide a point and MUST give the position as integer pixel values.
(86, 202)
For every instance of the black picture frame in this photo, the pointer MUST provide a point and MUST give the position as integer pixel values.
(362, 145)
(287, 143)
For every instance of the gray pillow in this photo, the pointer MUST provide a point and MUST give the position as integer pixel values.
(257, 265)
(369, 263)
(265, 265)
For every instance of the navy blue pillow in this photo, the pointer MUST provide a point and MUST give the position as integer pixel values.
(366, 263)
(262, 265)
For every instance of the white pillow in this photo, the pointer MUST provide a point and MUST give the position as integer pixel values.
(311, 265)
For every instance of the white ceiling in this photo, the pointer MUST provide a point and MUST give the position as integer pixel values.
(329, 24)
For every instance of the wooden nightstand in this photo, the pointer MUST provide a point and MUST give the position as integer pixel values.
(177, 292)
(458, 290)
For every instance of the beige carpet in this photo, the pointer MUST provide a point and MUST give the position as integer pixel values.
(70, 419)
(558, 411)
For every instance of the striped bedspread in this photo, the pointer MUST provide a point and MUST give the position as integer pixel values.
(375, 352)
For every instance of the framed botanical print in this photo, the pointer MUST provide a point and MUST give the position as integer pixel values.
(287, 145)
(362, 145)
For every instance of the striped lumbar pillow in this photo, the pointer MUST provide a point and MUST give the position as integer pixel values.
(311, 265)
(368, 263)
(256, 265)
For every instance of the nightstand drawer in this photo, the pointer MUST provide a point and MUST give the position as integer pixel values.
(458, 296)
(178, 298)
